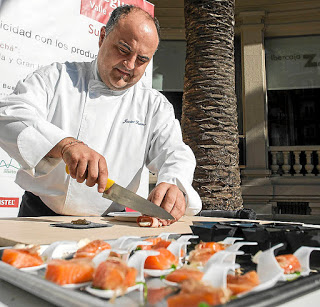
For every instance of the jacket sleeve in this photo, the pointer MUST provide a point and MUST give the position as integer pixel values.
(170, 157)
(25, 133)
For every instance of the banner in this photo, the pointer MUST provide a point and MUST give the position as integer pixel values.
(100, 10)
(35, 33)
(293, 62)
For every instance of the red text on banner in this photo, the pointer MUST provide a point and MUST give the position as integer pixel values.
(9, 202)
(100, 10)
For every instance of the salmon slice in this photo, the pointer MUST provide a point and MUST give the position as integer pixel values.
(92, 249)
(215, 246)
(156, 243)
(242, 283)
(203, 251)
(201, 256)
(72, 271)
(22, 258)
(156, 295)
(164, 244)
(289, 263)
(152, 240)
(114, 274)
(183, 274)
(194, 292)
(165, 260)
(161, 244)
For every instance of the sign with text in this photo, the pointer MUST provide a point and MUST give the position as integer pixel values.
(293, 62)
(9, 202)
(100, 10)
(58, 31)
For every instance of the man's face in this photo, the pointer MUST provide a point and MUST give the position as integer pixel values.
(125, 53)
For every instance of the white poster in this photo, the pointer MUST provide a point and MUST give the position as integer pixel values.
(35, 33)
(293, 63)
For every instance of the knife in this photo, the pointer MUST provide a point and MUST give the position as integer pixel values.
(133, 201)
(129, 199)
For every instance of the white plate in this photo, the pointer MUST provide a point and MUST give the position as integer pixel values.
(110, 293)
(157, 273)
(33, 268)
(125, 216)
(290, 277)
(76, 286)
(170, 283)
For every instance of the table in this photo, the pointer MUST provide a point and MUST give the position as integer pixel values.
(37, 230)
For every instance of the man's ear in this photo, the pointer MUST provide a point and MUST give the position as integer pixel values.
(102, 35)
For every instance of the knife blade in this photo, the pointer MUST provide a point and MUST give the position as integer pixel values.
(133, 201)
(129, 199)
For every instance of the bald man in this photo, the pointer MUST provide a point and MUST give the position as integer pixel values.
(100, 120)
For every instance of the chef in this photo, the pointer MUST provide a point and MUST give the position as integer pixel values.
(101, 121)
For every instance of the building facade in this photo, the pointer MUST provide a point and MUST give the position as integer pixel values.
(277, 54)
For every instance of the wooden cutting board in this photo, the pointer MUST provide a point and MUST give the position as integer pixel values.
(37, 230)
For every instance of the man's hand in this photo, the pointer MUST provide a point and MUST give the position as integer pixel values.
(169, 197)
(84, 163)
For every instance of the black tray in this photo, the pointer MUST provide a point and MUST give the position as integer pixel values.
(267, 235)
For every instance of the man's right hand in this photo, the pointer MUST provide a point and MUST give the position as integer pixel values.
(84, 163)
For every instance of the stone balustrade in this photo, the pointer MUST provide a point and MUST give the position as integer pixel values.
(294, 160)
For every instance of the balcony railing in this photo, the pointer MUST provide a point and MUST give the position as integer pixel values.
(295, 160)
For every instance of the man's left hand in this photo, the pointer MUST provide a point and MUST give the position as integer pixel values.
(170, 198)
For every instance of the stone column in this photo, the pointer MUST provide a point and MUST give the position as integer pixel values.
(254, 93)
(256, 185)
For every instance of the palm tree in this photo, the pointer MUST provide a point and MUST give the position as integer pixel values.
(209, 111)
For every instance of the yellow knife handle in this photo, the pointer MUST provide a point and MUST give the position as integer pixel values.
(110, 182)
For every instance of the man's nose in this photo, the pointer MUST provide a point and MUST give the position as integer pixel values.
(130, 62)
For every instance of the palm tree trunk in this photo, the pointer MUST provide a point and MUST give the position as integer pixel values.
(209, 112)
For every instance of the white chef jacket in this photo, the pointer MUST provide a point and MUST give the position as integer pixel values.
(133, 129)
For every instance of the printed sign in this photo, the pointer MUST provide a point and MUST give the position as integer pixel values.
(35, 33)
(100, 10)
(8, 166)
(293, 62)
(8, 202)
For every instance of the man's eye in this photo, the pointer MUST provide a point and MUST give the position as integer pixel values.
(123, 50)
(141, 60)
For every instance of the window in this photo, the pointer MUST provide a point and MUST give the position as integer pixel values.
(168, 72)
(293, 83)
(294, 117)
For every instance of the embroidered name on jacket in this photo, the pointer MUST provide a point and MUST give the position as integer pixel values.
(136, 122)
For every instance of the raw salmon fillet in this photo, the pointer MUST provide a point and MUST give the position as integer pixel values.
(242, 283)
(22, 258)
(215, 246)
(114, 274)
(203, 251)
(194, 292)
(156, 295)
(165, 260)
(201, 256)
(183, 274)
(92, 249)
(161, 244)
(289, 263)
(72, 271)
(156, 243)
